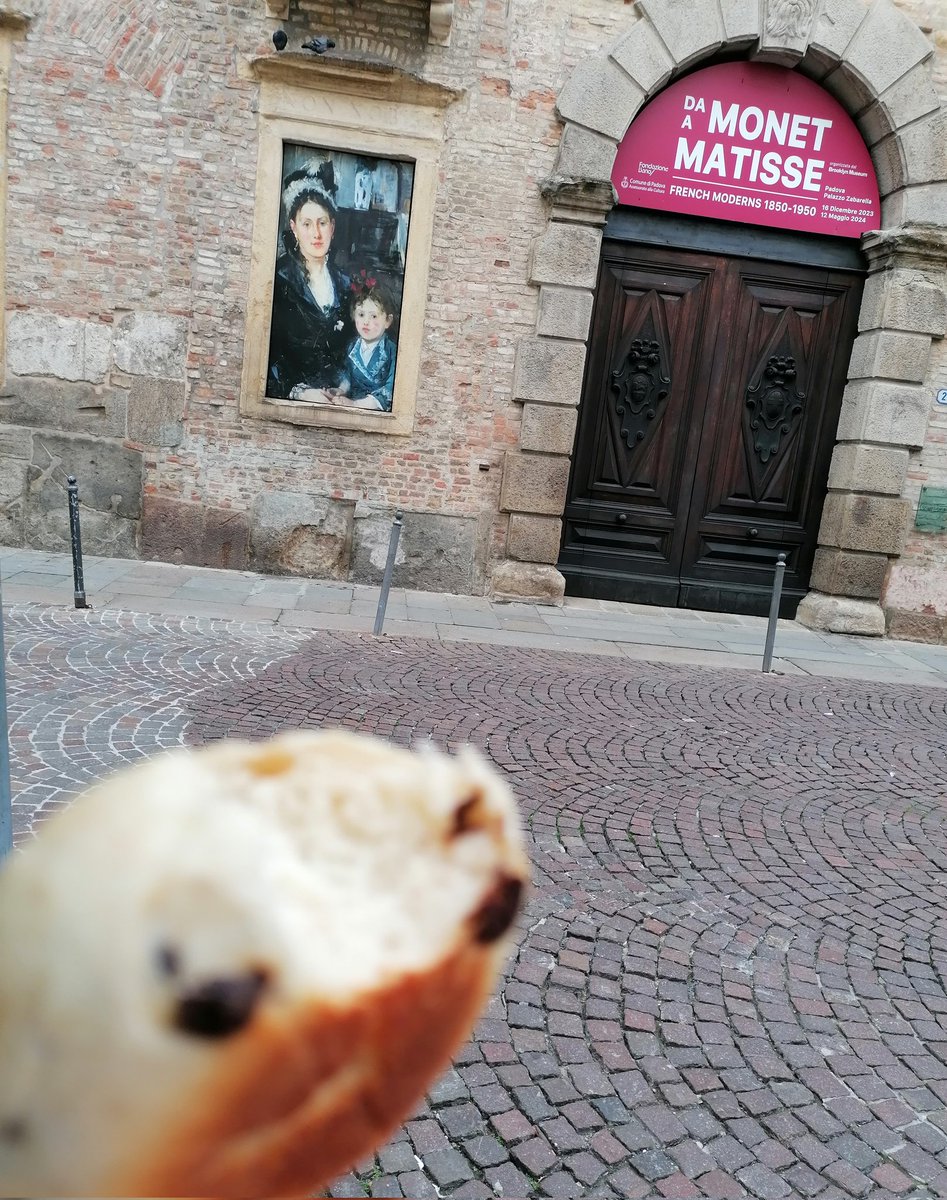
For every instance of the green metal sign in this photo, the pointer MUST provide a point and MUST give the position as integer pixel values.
(932, 510)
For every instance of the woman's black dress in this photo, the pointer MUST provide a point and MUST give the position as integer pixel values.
(307, 343)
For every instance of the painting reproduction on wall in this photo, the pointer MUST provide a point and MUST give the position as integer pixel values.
(339, 279)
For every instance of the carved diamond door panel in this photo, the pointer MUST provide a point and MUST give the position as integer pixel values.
(768, 430)
(711, 400)
(639, 423)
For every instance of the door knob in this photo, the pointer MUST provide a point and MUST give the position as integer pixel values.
(752, 533)
(622, 518)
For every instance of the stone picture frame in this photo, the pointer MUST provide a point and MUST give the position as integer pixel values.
(344, 235)
(370, 114)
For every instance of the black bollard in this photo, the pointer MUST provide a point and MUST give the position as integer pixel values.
(76, 538)
(389, 569)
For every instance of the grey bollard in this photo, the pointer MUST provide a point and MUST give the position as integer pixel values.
(389, 571)
(774, 614)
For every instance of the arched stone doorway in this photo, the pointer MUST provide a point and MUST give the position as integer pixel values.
(875, 61)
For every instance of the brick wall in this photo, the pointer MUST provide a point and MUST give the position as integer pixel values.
(132, 144)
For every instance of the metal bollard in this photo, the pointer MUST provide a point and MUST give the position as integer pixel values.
(389, 570)
(6, 804)
(774, 613)
(76, 537)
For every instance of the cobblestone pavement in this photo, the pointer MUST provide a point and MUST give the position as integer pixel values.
(731, 974)
(90, 693)
(636, 631)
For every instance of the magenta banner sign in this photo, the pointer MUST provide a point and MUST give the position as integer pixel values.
(752, 143)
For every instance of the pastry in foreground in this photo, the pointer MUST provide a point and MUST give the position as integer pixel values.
(234, 971)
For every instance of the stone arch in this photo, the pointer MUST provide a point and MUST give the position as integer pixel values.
(875, 61)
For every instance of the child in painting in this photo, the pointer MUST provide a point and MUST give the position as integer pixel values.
(370, 360)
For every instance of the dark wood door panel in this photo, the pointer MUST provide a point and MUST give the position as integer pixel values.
(733, 598)
(771, 416)
(712, 394)
(642, 378)
(631, 479)
(600, 528)
(770, 399)
(728, 565)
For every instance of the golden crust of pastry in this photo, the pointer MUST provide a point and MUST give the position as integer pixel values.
(233, 972)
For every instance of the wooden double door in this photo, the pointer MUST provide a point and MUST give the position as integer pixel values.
(706, 427)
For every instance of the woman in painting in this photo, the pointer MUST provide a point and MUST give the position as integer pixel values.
(312, 325)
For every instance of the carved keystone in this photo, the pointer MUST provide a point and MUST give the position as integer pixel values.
(787, 28)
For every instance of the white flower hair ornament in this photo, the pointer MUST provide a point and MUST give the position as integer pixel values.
(317, 177)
